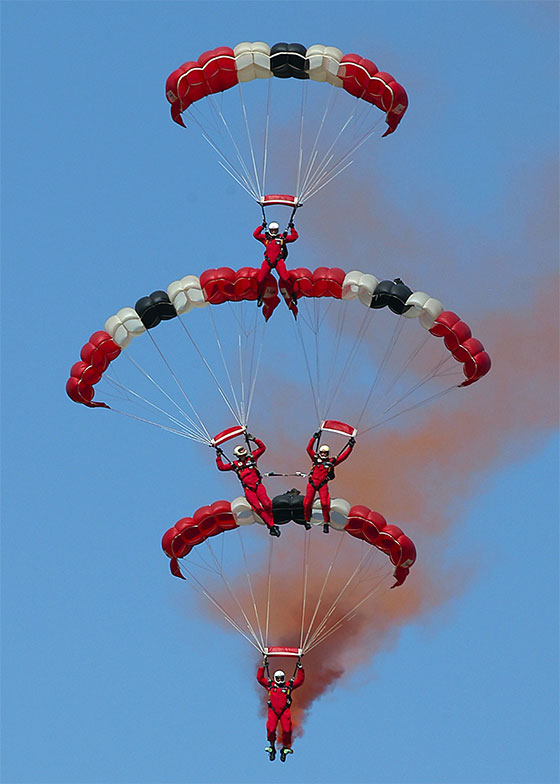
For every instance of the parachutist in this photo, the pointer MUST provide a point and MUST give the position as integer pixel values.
(245, 466)
(279, 701)
(275, 255)
(322, 471)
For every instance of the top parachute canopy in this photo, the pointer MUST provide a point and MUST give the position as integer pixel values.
(243, 132)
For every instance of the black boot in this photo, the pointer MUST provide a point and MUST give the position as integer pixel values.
(274, 530)
(271, 751)
(325, 528)
(283, 754)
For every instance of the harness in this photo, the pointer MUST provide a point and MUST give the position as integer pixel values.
(250, 462)
(330, 463)
(288, 698)
(279, 240)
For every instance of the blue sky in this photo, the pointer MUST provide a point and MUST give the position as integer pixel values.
(110, 673)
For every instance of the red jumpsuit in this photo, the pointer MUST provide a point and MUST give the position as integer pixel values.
(322, 471)
(279, 701)
(274, 257)
(251, 481)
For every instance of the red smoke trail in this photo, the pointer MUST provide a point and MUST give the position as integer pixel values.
(417, 477)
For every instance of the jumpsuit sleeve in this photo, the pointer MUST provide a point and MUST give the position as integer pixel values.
(221, 465)
(261, 677)
(260, 450)
(292, 236)
(258, 235)
(344, 454)
(299, 679)
(310, 450)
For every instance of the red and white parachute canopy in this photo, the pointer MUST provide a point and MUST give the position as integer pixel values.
(254, 134)
(335, 581)
(346, 352)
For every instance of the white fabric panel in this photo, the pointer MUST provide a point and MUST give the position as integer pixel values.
(186, 294)
(431, 310)
(368, 284)
(243, 512)
(124, 325)
(252, 61)
(416, 302)
(351, 284)
(324, 62)
(340, 509)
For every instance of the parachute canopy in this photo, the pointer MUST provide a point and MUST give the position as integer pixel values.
(302, 136)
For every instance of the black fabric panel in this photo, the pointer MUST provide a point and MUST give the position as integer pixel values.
(155, 308)
(289, 60)
(288, 507)
(392, 294)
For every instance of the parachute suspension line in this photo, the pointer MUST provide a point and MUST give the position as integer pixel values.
(299, 334)
(300, 152)
(233, 595)
(250, 140)
(383, 421)
(205, 361)
(181, 388)
(156, 424)
(334, 355)
(326, 159)
(314, 151)
(198, 586)
(231, 386)
(381, 369)
(329, 172)
(248, 575)
(269, 581)
(183, 429)
(199, 429)
(306, 548)
(225, 162)
(266, 128)
(333, 606)
(350, 614)
(252, 186)
(357, 341)
(303, 645)
(253, 336)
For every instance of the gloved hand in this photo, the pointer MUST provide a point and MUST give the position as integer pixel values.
(250, 437)
(219, 450)
(264, 224)
(317, 434)
(299, 665)
(351, 441)
(291, 225)
(265, 661)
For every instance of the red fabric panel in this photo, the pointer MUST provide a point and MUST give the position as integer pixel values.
(246, 285)
(408, 551)
(218, 66)
(356, 73)
(458, 333)
(174, 567)
(218, 285)
(85, 372)
(302, 281)
(327, 282)
(443, 323)
(191, 85)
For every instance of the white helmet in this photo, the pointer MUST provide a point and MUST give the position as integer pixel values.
(240, 451)
(324, 450)
(279, 676)
(273, 228)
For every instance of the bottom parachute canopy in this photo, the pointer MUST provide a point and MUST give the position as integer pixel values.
(335, 584)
